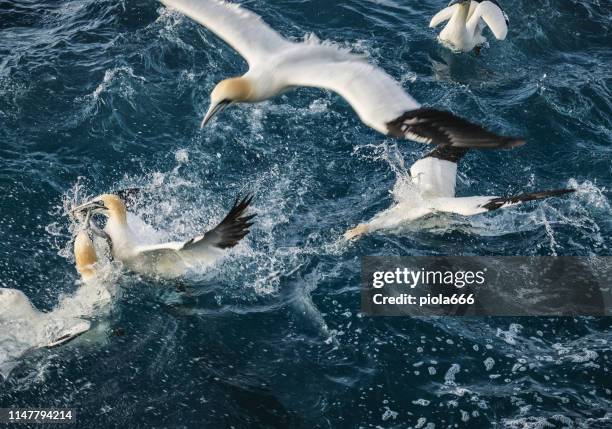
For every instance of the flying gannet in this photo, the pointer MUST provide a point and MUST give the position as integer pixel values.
(173, 259)
(466, 21)
(277, 64)
(434, 177)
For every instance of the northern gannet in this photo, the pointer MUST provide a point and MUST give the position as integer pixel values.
(173, 259)
(466, 21)
(434, 177)
(24, 328)
(277, 64)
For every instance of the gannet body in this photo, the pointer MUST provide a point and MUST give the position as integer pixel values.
(466, 22)
(277, 65)
(434, 177)
(172, 259)
(23, 328)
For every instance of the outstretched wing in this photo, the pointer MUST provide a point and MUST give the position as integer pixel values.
(375, 96)
(493, 16)
(171, 259)
(469, 206)
(496, 3)
(233, 228)
(442, 16)
(381, 103)
(243, 30)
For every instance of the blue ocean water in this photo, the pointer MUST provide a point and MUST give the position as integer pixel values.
(97, 95)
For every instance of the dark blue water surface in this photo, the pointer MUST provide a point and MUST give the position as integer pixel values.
(97, 95)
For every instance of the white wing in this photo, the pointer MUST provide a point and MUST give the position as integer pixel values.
(469, 206)
(444, 15)
(380, 101)
(173, 259)
(377, 98)
(243, 30)
(466, 206)
(493, 16)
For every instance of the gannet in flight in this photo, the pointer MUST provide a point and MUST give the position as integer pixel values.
(466, 21)
(173, 259)
(434, 177)
(277, 65)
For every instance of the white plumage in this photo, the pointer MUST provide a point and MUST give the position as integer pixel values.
(434, 179)
(277, 64)
(466, 22)
(171, 259)
(24, 328)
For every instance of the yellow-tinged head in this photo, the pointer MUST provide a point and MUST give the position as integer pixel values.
(109, 205)
(227, 92)
(85, 255)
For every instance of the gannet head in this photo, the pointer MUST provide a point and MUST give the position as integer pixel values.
(85, 255)
(226, 93)
(461, 2)
(109, 205)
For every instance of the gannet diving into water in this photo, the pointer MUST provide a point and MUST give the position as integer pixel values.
(435, 178)
(466, 21)
(173, 259)
(277, 65)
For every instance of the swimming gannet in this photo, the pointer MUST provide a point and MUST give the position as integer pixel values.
(434, 177)
(277, 65)
(171, 259)
(466, 21)
(24, 328)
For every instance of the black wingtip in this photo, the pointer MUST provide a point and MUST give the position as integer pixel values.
(128, 195)
(498, 203)
(439, 127)
(235, 226)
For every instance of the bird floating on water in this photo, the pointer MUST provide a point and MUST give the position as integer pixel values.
(277, 64)
(24, 328)
(435, 177)
(172, 259)
(466, 21)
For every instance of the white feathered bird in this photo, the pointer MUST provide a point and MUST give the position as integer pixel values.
(172, 259)
(466, 21)
(277, 64)
(24, 328)
(435, 177)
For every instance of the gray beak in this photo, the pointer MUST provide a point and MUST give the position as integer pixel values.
(96, 230)
(213, 110)
(94, 206)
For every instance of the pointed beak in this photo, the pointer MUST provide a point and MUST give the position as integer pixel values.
(97, 231)
(212, 111)
(91, 206)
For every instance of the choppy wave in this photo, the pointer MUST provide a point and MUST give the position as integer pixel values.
(103, 95)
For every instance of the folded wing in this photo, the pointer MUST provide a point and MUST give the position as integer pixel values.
(243, 30)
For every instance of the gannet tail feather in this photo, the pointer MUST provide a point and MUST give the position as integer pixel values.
(433, 126)
(233, 228)
(498, 203)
